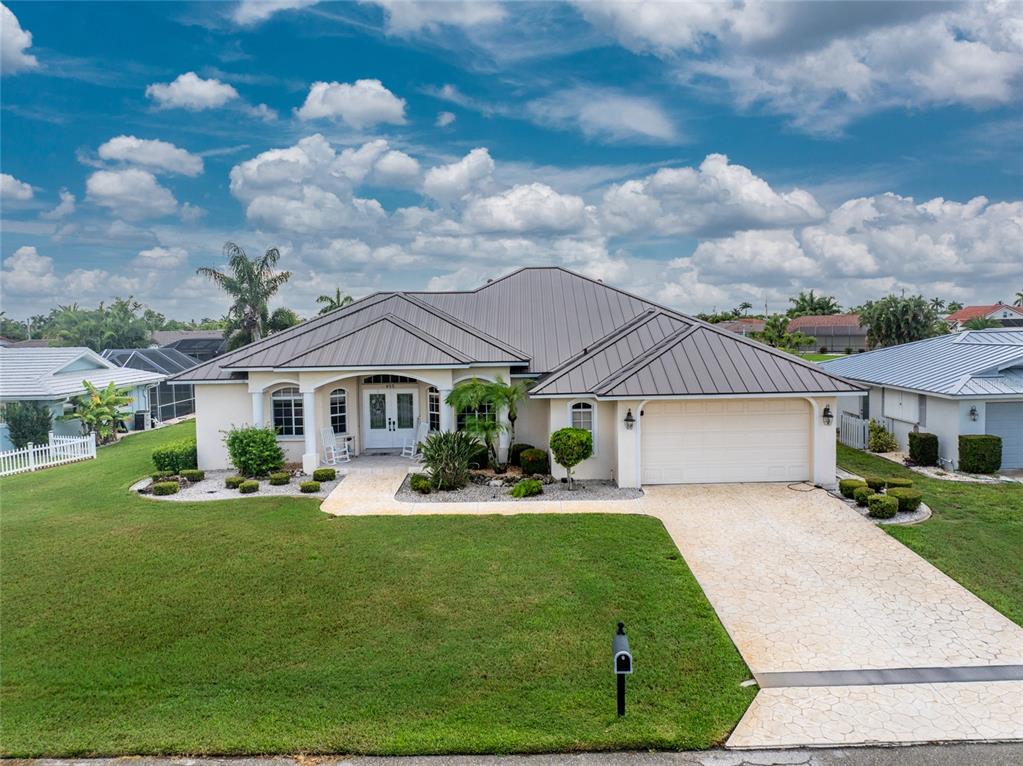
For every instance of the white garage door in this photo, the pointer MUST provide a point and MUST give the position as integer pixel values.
(1005, 419)
(731, 440)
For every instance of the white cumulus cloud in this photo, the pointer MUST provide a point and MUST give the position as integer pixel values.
(250, 12)
(13, 189)
(153, 154)
(162, 258)
(25, 272)
(63, 209)
(132, 193)
(444, 119)
(361, 104)
(527, 208)
(406, 17)
(14, 44)
(190, 91)
(474, 172)
(604, 113)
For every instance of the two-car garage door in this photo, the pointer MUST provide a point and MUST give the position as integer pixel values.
(729, 440)
(1005, 419)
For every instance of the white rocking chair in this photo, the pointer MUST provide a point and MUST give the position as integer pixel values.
(411, 448)
(334, 453)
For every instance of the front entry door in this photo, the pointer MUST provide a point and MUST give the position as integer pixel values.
(390, 416)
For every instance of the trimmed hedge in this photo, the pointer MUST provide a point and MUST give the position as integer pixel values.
(280, 478)
(193, 474)
(848, 486)
(533, 461)
(324, 474)
(309, 486)
(166, 488)
(909, 499)
(892, 482)
(882, 506)
(233, 482)
(874, 482)
(420, 482)
(527, 488)
(860, 494)
(923, 448)
(248, 486)
(516, 451)
(980, 453)
(176, 456)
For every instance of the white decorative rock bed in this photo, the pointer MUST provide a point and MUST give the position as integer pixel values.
(922, 513)
(934, 472)
(212, 488)
(586, 490)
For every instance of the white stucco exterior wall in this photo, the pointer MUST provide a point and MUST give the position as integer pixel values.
(603, 463)
(217, 408)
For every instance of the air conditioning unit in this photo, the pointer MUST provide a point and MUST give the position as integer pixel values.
(143, 421)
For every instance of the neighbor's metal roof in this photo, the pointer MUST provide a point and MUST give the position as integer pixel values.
(970, 363)
(40, 373)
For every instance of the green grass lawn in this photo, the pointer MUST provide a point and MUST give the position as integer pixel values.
(820, 357)
(975, 535)
(265, 626)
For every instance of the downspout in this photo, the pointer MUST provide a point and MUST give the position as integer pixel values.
(814, 414)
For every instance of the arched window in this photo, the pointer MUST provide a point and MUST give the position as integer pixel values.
(582, 415)
(286, 404)
(433, 399)
(339, 411)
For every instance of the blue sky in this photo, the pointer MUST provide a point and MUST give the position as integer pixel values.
(701, 154)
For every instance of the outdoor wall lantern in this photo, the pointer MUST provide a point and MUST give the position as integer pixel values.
(827, 415)
(629, 420)
(973, 413)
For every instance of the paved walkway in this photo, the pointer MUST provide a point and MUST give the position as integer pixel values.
(812, 594)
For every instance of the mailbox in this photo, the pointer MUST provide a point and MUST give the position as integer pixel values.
(622, 655)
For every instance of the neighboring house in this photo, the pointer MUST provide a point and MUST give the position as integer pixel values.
(997, 311)
(54, 377)
(668, 398)
(837, 333)
(31, 343)
(744, 326)
(166, 400)
(964, 383)
(201, 345)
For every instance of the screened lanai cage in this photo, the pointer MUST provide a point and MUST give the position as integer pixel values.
(166, 400)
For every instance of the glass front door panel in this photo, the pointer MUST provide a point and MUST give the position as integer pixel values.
(406, 415)
(378, 411)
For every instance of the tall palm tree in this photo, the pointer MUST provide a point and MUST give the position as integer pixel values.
(251, 282)
(334, 302)
(1019, 299)
(937, 304)
(953, 307)
(809, 304)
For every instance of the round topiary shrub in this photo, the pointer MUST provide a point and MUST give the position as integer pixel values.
(860, 494)
(527, 488)
(874, 482)
(420, 482)
(893, 482)
(309, 486)
(248, 486)
(515, 451)
(923, 448)
(534, 461)
(166, 488)
(848, 486)
(193, 475)
(908, 499)
(233, 482)
(280, 478)
(324, 474)
(882, 506)
(254, 451)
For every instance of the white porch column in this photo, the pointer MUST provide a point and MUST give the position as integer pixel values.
(503, 438)
(447, 413)
(257, 409)
(311, 459)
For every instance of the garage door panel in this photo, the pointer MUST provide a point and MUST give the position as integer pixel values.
(1005, 419)
(725, 441)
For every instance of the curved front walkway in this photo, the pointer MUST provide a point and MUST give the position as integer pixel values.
(817, 599)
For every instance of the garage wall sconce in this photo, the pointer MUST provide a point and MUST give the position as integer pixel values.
(826, 415)
(629, 420)
(974, 414)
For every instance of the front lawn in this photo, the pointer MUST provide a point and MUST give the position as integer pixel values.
(820, 357)
(264, 626)
(975, 535)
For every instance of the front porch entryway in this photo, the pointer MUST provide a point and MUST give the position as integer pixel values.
(390, 415)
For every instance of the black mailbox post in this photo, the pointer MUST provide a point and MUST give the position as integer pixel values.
(622, 663)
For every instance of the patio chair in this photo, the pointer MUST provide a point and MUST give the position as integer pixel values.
(411, 447)
(334, 453)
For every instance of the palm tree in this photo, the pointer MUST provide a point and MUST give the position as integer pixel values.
(251, 282)
(508, 396)
(982, 323)
(334, 302)
(742, 308)
(953, 306)
(937, 304)
(1019, 299)
(809, 304)
(473, 396)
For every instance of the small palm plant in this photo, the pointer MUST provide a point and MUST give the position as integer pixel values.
(476, 396)
(99, 409)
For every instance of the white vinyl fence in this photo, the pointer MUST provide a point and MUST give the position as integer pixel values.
(852, 431)
(59, 450)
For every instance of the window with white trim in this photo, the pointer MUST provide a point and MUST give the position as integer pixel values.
(433, 407)
(286, 408)
(584, 415)
(339, 411)
(484, 411)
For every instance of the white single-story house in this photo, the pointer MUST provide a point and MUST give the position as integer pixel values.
(997, 312)
(54, 377)
(964, 383)
(668, 398)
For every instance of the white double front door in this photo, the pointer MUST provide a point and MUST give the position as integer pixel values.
(390, 416)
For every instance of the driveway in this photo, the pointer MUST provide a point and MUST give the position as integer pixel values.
(852, 637)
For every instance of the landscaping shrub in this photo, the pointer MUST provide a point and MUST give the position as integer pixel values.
(176, 456)
(980, 453)
(480, 457)
(233, 482)
(823, 350)
(166, 488)
(527, 488)
(907, 498)
(27, 422)
(254, 451)
(892, 482)
(309, 486)
(193, 474)
(860, 494)
(448, 455)
(280, 478)
(420, 482)
(848, 486)
(876, 483)
(534, 461)
(879, 439)
(882, 506)
(923, 448)
(515, 451)
(848, 350)
(248, 486)
(161, 476)
(570, 447)
(324, 474)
